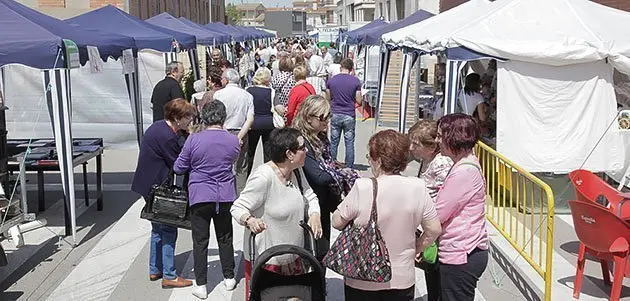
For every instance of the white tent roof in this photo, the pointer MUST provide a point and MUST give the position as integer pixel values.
(551, 32)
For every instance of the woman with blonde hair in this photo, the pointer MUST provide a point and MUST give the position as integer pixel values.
(328, 180)
(263, 118)
(434, 168)
(424, 147)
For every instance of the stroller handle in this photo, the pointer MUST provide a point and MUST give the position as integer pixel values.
(305, 226)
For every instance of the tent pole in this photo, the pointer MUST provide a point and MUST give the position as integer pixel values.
(408, 59)
(58, 95)
(383, 66)
(135, 99)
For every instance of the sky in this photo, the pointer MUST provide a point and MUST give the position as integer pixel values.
(266, 3)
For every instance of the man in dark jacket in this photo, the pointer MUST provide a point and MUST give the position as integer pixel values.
(167, 89)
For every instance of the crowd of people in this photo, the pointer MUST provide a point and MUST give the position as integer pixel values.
(299, 100)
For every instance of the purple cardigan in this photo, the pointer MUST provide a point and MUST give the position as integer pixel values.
(158, 150)
(208, 156)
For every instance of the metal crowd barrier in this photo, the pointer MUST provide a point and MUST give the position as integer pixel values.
(521, 207)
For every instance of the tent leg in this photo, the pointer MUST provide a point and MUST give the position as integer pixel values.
(135, 98)
(58, 95)
(383, 67)
(408, 59)
(194, 63)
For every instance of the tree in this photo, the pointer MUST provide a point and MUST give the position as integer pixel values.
(233, 15)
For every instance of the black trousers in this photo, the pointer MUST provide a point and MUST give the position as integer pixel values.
(254, 137)
(200, 217)
(432, 279)
(240, 166)
(353, 294)
(323, 244)
(458, 282)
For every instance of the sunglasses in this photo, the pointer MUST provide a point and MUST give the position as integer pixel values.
(322, 117)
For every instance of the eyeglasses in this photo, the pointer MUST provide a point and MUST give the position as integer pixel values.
(322, 117)
(301, 148)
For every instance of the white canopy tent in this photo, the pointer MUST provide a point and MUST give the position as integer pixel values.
(556, 100)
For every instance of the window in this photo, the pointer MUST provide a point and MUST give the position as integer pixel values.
(380, 10)
(389, 10)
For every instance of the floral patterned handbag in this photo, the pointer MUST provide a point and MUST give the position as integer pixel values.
(360, 252)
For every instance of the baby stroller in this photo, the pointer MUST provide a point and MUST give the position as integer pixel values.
(269, 286)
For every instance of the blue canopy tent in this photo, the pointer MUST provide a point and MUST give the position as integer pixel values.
(372, 36)
(204, 37)
(224, 37)
(237, 35)
(248, 35)
(351, 37)
(146, 36)
(37, 40)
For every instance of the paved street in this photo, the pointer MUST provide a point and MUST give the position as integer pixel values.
(111, 260)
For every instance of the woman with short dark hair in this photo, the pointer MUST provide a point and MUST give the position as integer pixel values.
(208, 156)
(159, 148)
(272, 204)
(470, 99)
(403, 204)
(460, 205)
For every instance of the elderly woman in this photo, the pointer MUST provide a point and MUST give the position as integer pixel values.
(272, 204)
(282, 83)
(460, 205)
(434, 166)
(317, 73)
(403, 204)
(299, 93)
(160, 146)
(433, 170)
(208, 157)
(263, 118)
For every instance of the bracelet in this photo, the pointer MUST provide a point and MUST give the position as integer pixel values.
(248, 218)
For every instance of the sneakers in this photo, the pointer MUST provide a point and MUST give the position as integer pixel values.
(230, 284)
(200, 291)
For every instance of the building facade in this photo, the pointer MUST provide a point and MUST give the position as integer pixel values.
(349, 11)
(252, 14)
(199, 11)
(286, 21)
(318, 12)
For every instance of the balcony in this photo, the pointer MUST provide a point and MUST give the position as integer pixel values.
(329, 3)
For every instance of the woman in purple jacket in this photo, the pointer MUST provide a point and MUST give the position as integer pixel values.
(159, 148)
(208, 157)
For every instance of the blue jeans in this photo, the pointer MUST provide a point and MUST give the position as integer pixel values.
(162, 256)
(345, 123)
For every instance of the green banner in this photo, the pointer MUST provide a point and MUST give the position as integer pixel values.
(72, 54)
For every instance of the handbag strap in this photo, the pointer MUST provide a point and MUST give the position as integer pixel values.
(374, 213)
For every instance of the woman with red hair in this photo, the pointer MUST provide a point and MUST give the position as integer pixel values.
(403, 204)
(460, 205)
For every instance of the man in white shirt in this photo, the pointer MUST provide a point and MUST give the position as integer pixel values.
(328, 58)
(239, 107)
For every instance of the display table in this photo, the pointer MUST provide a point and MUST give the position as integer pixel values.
(43, 158)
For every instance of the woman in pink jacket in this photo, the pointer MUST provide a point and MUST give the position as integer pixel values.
(460, 205)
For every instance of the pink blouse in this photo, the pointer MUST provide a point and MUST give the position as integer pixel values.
(402, 204)
(461, 207)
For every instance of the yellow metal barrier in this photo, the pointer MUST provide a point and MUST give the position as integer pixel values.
(516, 207)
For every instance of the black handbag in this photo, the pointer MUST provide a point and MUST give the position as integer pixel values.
(168, 204)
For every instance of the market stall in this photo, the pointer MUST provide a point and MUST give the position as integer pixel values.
(39, 41)
(145, 35)
(556, 100)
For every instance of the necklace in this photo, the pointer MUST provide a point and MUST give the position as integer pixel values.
(278, 171)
